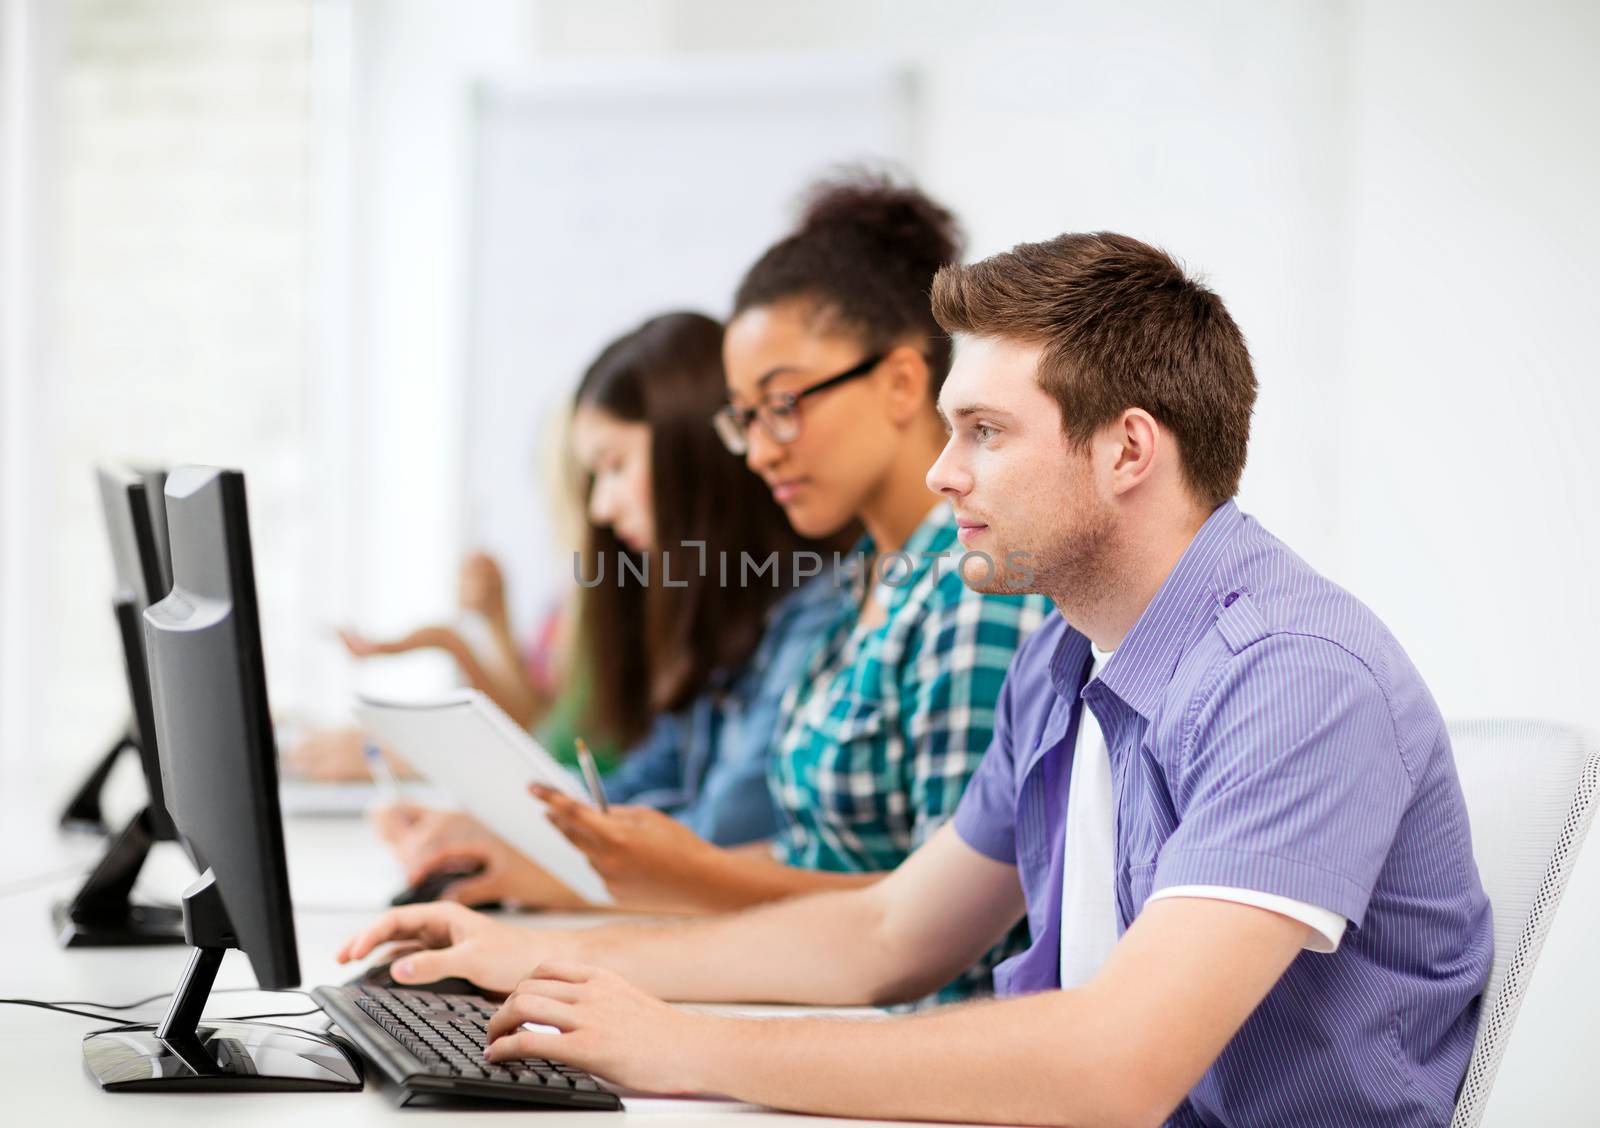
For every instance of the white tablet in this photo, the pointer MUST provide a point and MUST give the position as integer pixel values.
(467, 746)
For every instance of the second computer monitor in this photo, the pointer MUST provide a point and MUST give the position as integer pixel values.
(103, 912)
(141, 578)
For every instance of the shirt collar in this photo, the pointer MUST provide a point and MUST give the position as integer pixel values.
(935, 535)
(1143, 663)
(1068, 664)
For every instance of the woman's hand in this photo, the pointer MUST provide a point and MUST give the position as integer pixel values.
(328, 755)
(455, 941)
(427, 840)
(506, 875)
(649, 860)
(415, 832)
(423, 638)
(394, 821)
(483, 588)
(604, 1024)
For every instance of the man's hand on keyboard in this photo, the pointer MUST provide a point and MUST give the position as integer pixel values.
(455, 941)
(606, 1026)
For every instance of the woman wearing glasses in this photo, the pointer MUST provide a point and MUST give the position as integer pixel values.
(834, 363)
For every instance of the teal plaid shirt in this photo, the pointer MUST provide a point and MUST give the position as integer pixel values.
(881, 736)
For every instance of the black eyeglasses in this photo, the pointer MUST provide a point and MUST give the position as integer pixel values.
(778, 415)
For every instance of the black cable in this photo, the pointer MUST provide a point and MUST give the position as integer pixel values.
(270, 1014)
(120, 1023)
(42, 1005)
(118, 1006)
(168, 994)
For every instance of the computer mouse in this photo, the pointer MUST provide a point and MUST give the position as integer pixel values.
(378, 975)
(432, 886)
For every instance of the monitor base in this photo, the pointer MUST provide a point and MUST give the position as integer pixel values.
(140, 925)
(222, 1056)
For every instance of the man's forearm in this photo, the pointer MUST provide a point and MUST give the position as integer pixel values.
(822, 949)
(739, 879)
(898, 937)
(1045, 1059)
(1122, 1049)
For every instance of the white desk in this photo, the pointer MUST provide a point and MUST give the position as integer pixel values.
(340, 877)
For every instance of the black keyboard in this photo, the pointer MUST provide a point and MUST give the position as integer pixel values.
(432, 1047)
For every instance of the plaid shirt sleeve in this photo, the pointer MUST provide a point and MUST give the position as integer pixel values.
(951, 676)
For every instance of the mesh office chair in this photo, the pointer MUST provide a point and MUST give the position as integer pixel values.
(1530, 791)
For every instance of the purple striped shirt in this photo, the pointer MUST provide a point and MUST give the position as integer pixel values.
(1266, 732)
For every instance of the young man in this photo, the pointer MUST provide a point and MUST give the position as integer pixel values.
(1218, 790)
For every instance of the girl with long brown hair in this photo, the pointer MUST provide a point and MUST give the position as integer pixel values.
(681, 670)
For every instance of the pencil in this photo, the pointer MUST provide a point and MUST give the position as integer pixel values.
(591, 775)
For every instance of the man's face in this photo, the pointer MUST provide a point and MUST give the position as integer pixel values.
(1022, 495)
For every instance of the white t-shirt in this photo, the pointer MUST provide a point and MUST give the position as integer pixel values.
(1088, 891)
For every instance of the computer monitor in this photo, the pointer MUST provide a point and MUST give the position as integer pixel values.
(135, 515)
(101, 913)
(219, 771)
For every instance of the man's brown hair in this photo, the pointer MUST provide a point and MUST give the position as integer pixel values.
(1122, 326)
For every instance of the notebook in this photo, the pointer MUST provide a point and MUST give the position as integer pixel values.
(467, 746)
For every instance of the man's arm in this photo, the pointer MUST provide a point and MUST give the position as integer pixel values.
(907, 934)
(1123, 1049)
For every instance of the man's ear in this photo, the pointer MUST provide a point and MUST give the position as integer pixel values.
(906, 382)
(1133, 437)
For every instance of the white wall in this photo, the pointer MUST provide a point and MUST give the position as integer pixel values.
(166, 275)
(412, 62)
(27, 54)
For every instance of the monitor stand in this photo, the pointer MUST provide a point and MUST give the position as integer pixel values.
(185, 1053)
(102, 914)
(83, 814)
